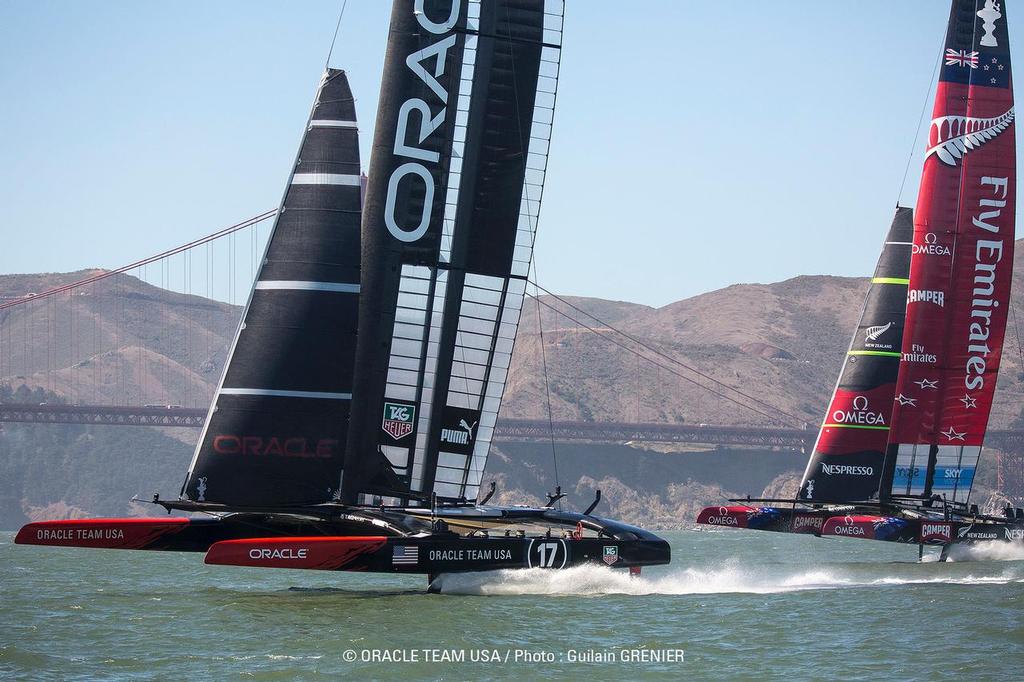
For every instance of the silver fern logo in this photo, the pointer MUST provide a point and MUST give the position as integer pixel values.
(956, 135)
(872, 333)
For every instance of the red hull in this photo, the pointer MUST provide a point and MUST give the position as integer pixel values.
(100, 533)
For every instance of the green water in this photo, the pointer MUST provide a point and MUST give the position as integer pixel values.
(739, 604)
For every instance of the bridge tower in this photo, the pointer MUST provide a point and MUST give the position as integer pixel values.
(1010, 475)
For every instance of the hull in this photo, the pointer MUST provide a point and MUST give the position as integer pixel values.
(435, 555)
(900, 525)
(374, 540)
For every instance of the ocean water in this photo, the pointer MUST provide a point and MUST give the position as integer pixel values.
(733, 605)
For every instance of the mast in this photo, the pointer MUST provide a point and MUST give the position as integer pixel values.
(961, 267)
(846, 463)
(277, 426)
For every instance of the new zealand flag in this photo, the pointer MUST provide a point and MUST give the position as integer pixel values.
(977, 50)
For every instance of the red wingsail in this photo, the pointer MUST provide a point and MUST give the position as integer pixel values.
(962, 262)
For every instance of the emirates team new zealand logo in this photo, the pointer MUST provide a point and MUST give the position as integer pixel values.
(398, 420)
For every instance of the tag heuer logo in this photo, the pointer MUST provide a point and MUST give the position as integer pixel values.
(611, 555)
(398, 420)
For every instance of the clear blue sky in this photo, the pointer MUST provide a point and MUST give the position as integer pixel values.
(696, 144)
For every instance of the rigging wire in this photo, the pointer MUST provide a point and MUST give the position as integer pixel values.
(670, 370)
(547, 383)
(673, 360)
(337, 27)
(920, 120)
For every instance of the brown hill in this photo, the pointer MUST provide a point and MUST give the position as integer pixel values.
(119, 341)
(125, 341)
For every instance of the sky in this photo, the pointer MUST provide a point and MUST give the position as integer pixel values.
(695, 144)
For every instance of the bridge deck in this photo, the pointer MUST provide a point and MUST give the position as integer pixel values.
(507, 429)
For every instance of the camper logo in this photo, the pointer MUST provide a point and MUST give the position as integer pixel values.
(398, 419)
(611, 554)
(808, 523)
(936, 532)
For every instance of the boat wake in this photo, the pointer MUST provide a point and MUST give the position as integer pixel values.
(988, 551)
(598, 580)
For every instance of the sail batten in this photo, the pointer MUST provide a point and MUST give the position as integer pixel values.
(276, 430)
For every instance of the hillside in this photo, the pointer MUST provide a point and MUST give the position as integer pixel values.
(135, 343)
(120, 341)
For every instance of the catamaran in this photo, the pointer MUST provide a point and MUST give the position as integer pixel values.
(896, 456)
(352, 422)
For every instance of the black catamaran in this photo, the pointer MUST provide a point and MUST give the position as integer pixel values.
(897, 453)
(355, 413)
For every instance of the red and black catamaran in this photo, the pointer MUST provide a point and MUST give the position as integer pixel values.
(899, 447)
(352, 423)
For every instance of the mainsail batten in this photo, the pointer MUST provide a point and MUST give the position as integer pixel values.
(277, 426)
(958, 300)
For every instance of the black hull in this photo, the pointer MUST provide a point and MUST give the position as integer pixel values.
(461, 539)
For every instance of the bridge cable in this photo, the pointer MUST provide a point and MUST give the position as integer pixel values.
(669, 358)
(131, 266)
(1016, 332)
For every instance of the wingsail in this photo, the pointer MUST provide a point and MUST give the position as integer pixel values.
(455, 186)
(961, 267)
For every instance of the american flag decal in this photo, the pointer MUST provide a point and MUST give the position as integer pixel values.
(961, 58)
(405, 555)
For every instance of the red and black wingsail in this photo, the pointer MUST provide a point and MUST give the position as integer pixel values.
(277, 427)
(848, 456)
(458, 165)
(961, 268)
(943, 306)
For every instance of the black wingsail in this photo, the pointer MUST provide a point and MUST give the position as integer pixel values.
(277, 427)
(455, 184)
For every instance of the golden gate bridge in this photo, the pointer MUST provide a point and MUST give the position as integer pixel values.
(143, 345)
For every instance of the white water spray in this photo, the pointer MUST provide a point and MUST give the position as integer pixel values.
(731, 578)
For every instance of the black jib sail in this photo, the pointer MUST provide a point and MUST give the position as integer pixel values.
(848, 455)
(276, 430)
(456, 175)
